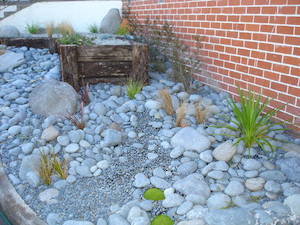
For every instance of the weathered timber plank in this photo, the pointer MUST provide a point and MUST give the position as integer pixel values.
(140, 59)
(99, 69)
(103, 59)
(69, 66)
(104, 51)
(31, 43)
(113, 80)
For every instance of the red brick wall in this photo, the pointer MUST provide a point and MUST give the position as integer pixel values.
(254, 44)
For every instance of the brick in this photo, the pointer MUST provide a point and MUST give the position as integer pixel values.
(287, 10)
(266, 47)
(274, 57)
(285, 29)
(294, 91)
(261, 19)
(240, 84)
(296, 51)
(292, 40)
(281, 68)
(278, 86)
(262, 82)
(289, 80)
(279, 20)
(253, 10)
(251, 44)
(270, 93)
(269, 10)
(248, 78)
(284, 49)
(291, 60)
(293, 110)
(276, 38)
(293, 20)
(286, 98)
(255, 71)
(295, 71)
(271, 75)
(252, 27)
(267, 28)
(244, 52)
(242, 68)
(285, 116)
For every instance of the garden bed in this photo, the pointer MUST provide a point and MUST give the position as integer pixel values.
(131, 145)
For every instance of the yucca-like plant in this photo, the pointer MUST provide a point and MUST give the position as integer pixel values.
(253, 120)
(93, 29)
(33, 28)
(133, 87)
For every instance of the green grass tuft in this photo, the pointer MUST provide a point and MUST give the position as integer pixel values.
(252, 120)
(133, 88)
(93, 29)
(154, 194)
(162, 220)
(33, 28)
(122, 31)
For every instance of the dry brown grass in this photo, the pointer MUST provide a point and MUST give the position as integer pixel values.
(65, 28)
(2, 51)
(59, 167)
(180, 114)
(45, 170)
(200, 115)
(167, 101)
(49, 29)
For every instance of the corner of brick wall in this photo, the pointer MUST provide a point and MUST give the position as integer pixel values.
(253, 44)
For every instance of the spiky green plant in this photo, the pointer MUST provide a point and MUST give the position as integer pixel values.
(162, 220)
(33, 28)
(154, 194)
(133, 87)
(93, 29)
(252, 120)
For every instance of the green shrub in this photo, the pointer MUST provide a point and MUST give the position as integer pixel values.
(154, 194)
(33, 28)
(162, 220)
(133, 87)
(122, 31)
(251, 122)
(75, 39)
(93, 28)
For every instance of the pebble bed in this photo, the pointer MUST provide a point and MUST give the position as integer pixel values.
(129, 146)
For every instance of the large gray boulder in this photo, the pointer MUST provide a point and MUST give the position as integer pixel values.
(233, 216)
(30, 163)
(54, 98)
(111, 22)
(290, 167)
(190, 139)
(8, 31)
(10, 60)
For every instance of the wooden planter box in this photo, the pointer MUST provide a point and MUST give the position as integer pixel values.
(82, 65)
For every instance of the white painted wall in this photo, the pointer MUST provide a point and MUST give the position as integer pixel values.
(81, 14)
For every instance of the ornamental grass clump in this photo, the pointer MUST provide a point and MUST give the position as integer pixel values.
(75, 39)
(65, 28)
(93, 29)
(253, 121)
(167, 101)
(45, 169)
(180, 114)
(33, 28)
(49, 29)
(133, 88)
(59, 167)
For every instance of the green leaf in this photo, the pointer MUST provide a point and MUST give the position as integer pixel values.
(162, 220)
(154, 194)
